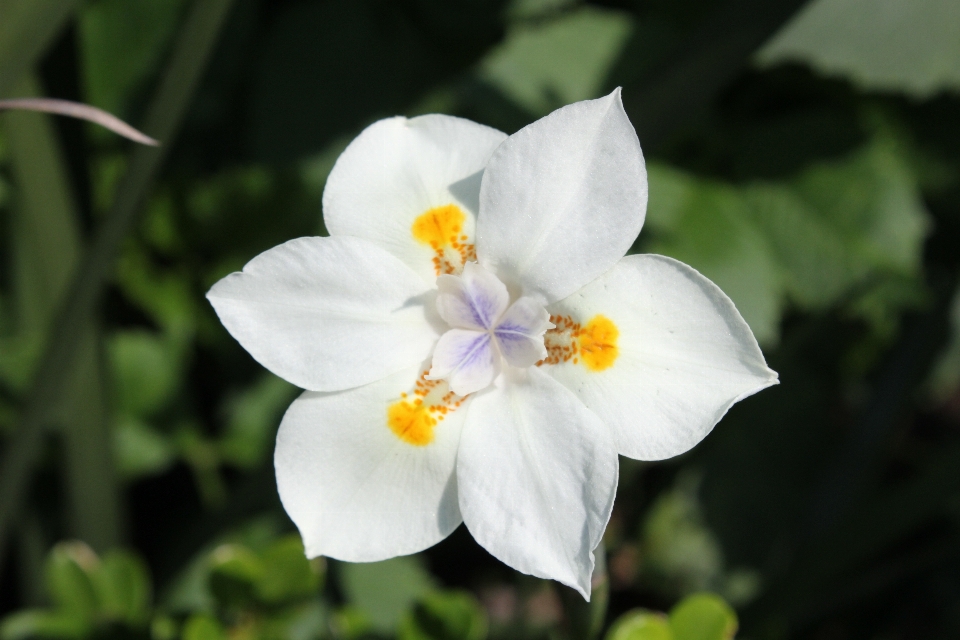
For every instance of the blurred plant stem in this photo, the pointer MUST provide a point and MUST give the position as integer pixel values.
(27, 27)
(47, 247)
(585, 619)
(180, 78)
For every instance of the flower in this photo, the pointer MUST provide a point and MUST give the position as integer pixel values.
(476, 348)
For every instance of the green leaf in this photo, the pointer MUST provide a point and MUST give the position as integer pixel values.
(146, 370)
(287, 574)
(904, 45)
(122, 44)
(139, 449)
(445, 615)
(872, 200)
(680, 552)
(640, 625)
(252, 419)
(69, 571)
(548, 64)
(203, 627)
(709, 226)
(235, 571)
(363, 585)
(37, 623)
(124, 589)
(703, 616)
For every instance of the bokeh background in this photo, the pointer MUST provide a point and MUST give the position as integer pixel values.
(803, 155)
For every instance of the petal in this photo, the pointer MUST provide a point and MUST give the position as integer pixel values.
(680, 355)
(473, 300)
(466, 359)
(354, 488)
(327, 313)
(537, 474)
(520, 333)
(396, 171)
(563, 199)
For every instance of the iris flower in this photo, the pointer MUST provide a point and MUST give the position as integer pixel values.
(475, 346)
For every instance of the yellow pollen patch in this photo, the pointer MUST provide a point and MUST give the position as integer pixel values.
(442, 229)
(411, 422)
(413, 417)
(598, 343)
(593, 345)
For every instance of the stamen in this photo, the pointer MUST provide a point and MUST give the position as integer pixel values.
(442, 229)
(414, 416)
(594, 345)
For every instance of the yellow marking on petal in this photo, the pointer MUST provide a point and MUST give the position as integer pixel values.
(598, 343)
(442, 229)
(593, 345)
(412, 422)
(414, 416)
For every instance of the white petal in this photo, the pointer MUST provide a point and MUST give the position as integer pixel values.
(520, 332)
(563, 199)
(537, 474)
(327, 313)
(397, 170)
(684, 356)
(355, 490)
(473, 300)
(466, 359)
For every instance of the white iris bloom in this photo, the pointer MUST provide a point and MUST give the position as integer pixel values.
(476, 348)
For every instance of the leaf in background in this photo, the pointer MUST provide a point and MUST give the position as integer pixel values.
(872, 200)
(287, 574)
(384, 591)
(703, 616)
(911, 46)
(235, 571)
(546, 65)
(203, 627)
(708, 225)
(122, 43)
(43, 623)
(640, 625)
(123, 588)
(69, 571)
(146, 371)
(164, 295)
(816, 238)
(139, 449)
(817, 264)
(252, 420)
(679, 551)
(445, 615)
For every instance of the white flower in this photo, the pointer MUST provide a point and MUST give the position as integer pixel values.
(476, 347)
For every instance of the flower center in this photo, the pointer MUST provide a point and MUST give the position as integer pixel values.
(486, 332)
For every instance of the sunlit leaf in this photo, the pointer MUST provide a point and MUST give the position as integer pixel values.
(445, 615)
(287, 574)
(203, 627)
(545, 65)
(363, 584)
(902, 45)
(69, 571)
(703, 616)
(123, 587)
(640, 625)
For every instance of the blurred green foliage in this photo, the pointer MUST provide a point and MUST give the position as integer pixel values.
(815, 178)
